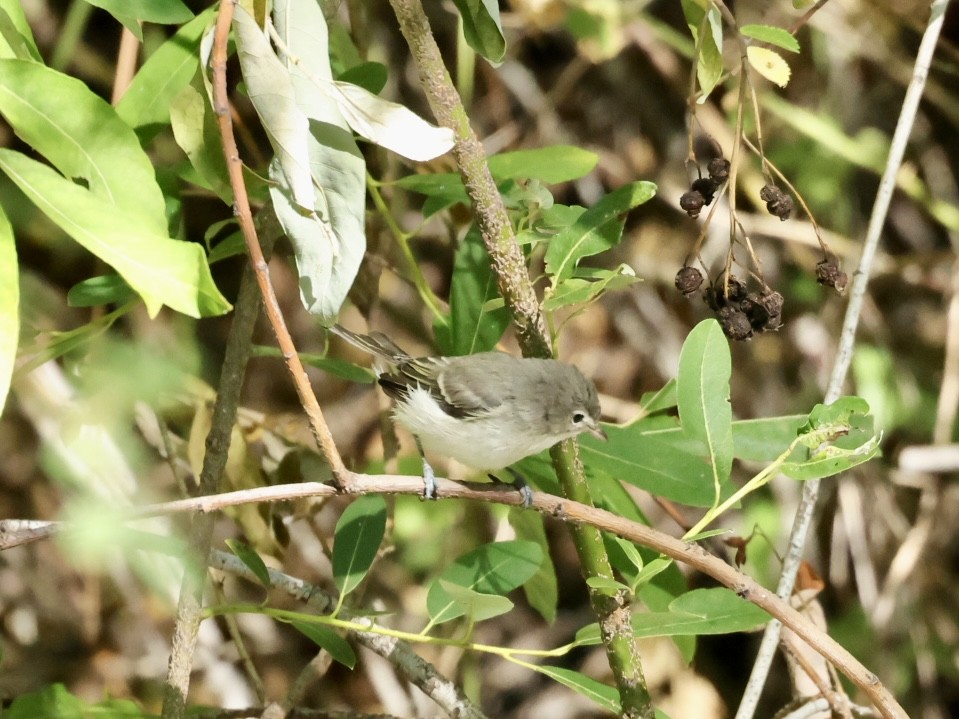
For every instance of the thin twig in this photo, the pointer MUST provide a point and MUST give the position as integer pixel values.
(318, 426)
(573, 513)
(857, 293)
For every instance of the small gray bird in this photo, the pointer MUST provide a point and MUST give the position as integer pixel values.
(487, 410)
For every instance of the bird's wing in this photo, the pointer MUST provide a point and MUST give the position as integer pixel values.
(475, 387)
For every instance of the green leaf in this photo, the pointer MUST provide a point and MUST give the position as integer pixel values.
(17, 36)
(553, 164)
(542, 591)
(762, 440)
(605, 696)
(703, 393)
(472, 327)
(9, 305)
(195, 131)
(773, 35)
(329, 640)
(596, 230)
(835, 438)
(246, 554)
(701, 611)
(82, 136)
(578, 291)
(476, 606)
(359, 533)
(369, 75)
(145, 106)
(495, 568)
(102, 290)
(131, 12)
(706, 28)
(482, 28)
(163, 271)
(606, 585)
(665, 464)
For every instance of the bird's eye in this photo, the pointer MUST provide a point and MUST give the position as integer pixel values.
(578, 417)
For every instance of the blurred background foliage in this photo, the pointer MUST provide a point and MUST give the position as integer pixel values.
(611, 77)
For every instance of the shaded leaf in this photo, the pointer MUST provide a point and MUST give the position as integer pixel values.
(359, 533)
(145, 106)
(605, 696)
(195, 131)
(131, 12)
(102, 290)
(371, 76)
(476, 606)
(482, 28)
(472, 326)
(329, 640)
(246, 554)
(495, 568)
(542, 590)
(706, 27)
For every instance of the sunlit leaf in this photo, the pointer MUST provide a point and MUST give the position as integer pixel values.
(773, 35)
(769, 64)
(9, 305)
(329, 640)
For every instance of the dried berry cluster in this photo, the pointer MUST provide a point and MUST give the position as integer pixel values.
(703, 189)
(740, 312)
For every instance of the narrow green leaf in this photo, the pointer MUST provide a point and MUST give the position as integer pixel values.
(701, 611)
(835, 438)
(762, 440)
(145, 106)
(246, 554)
(605, 696)
(131, 12)
(773, 35)
(542, 590)
(101, 290)
(17, 36)
(9, 305)
(552, 164)
(482, 28)
(577, 291)
(359, 533)
(329, 640)
(476, 606)
(369, 75)
(473, 328)
(162, 270)
(703, 394)
(82, 136)
(596, 230)
(606, 585)
(195, 131)
(495, 568)
(706, 28)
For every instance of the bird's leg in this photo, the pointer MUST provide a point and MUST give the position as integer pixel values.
(429, 477)
(519, 481)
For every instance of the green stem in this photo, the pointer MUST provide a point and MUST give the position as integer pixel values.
(403, 240)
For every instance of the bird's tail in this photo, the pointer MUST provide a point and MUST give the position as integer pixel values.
(376, 343)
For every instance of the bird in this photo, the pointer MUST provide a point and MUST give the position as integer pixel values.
(486, 410)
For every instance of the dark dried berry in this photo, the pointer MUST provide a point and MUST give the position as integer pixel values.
(778, 203)
(718, 169)
(735, 324)
(764, 310)
(692, 202)
(829, 274)
(705, 187)
(688, 280)
(732, 288)
(713, 299)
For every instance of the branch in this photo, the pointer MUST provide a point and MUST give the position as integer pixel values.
(860, 281)
(562, 509)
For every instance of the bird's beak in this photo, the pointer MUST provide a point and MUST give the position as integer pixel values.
(598, 432)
